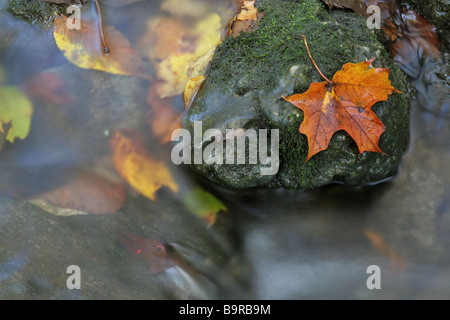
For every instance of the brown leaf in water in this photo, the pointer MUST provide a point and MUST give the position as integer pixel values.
(413, 38)
(86, 193)
(411, 35)
(162, 116)
(182, 49)
(383, 247)
(246, 21)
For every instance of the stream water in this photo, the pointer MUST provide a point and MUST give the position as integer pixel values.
(270, 244)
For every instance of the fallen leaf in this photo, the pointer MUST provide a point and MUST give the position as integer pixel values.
(413, 38)
(180, 49)
(48, 88)
(246, 21)
(86, 193)
(135, 164)
(248, 12)
(191, 88)
(162, 116)
(344, 104)
(201, 64)
(385, 249)
(83, 47)
(152, 251)
(16, 110)
(203, 204)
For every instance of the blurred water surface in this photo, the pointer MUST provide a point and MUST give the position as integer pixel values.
(270, 244)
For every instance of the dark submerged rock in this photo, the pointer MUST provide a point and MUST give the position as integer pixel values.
(249, 75)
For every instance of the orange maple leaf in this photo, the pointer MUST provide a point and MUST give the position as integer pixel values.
(344, 103)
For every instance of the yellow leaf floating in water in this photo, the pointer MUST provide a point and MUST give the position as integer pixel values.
(203, 204)
(15, 112)
(134, 163)
(83, 47)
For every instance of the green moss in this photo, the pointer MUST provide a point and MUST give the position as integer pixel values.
(269, 53)
(269, 49)
(272, 61)
(36, 12)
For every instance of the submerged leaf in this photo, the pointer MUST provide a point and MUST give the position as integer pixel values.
(246, 21)
(83, 47)
(135, 164)
(385, 249)
(203, 204)
(86, 193)
(15, 113)
(162, 116)
(182, 50)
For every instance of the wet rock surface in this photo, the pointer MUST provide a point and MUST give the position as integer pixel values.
(112, 272)
(250, 73)
(314, 258)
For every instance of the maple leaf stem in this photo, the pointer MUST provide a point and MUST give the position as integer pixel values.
(105, 45)
(310, 56)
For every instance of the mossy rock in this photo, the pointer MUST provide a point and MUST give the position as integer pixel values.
(36, 12)
(250, 73)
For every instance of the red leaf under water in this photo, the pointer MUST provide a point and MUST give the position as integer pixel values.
(152, 251)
